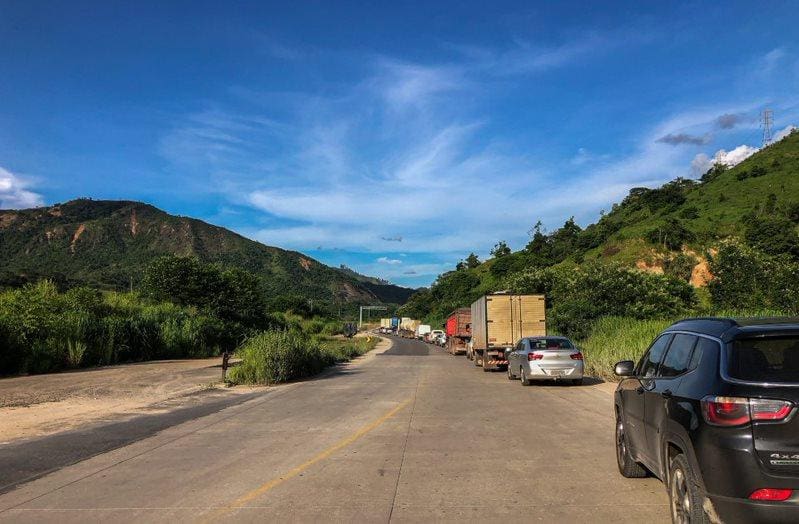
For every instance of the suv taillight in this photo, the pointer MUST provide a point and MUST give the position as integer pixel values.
(736, 411)
(576, 356)
(534, 356)
(771, 494)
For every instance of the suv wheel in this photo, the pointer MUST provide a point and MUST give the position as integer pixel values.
(685, 501)
(510, 374)
(627, 466)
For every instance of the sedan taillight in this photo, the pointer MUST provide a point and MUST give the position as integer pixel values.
(576, 356)
(736, 411)
(534, 356)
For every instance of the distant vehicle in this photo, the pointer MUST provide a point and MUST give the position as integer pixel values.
(458, 330)
(441, 340)
(499, 321)
(385, 324)
(710, 409)
(434, 334)
(545, 359)
(422, 330)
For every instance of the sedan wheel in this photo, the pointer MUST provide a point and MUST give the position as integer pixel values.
(510, 374)
(525, 380)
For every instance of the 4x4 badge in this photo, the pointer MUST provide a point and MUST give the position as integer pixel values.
(785, 457)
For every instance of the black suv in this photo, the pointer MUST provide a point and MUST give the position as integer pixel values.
(710, 409)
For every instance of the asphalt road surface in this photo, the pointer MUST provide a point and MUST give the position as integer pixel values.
(412, 434)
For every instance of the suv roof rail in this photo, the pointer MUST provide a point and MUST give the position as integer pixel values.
(717, 326)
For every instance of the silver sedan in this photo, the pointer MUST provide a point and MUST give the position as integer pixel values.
(545, 358)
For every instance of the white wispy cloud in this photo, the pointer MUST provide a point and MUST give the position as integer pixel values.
(402, 157)
(14, 192)
(389, 261)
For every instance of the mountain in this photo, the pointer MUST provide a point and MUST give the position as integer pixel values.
(107, 244)
(383, 288)
(673, 229)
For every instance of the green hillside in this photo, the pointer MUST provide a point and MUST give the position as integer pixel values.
(670, 232)
(763, 190)
(106, 244)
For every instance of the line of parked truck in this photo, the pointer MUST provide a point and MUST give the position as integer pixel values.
(500, 331)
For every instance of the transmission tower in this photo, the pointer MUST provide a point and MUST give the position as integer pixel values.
(766, 121)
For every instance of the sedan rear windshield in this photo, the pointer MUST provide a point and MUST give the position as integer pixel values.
(772, 359)
(551, 343)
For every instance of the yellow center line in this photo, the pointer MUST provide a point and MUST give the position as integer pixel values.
(343, 443)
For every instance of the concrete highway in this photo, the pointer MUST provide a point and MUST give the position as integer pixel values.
(409, 435)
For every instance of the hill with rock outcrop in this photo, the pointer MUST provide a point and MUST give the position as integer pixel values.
(107, 244)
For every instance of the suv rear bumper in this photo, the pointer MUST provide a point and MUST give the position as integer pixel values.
(732, 510)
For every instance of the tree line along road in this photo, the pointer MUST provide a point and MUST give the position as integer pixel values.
(412, 434)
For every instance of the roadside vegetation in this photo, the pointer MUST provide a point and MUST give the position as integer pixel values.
(184, 309)
(279, 356)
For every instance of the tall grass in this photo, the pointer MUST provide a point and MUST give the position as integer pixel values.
(42, 330)
(618, 338)
(623, 338)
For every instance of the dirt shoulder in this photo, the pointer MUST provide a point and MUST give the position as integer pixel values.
(44, 404)
(40, 405)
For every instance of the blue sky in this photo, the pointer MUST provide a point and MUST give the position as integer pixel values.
(396, 138)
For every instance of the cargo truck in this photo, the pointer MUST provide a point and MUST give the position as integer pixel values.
(499, 321)
(407, 327)
(422, 330)
(458, 330)
(395, 322)
(385, 325)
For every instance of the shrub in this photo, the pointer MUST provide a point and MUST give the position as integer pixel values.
(773, 235)
(578, 296)
(278, 356)
(747, 278)
(680, 266)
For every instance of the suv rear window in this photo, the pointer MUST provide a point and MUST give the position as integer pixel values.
(772, 359)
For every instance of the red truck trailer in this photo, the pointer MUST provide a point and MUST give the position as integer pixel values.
(459, 330)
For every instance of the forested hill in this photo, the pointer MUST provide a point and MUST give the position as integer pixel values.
(674, 230)
(107, 244)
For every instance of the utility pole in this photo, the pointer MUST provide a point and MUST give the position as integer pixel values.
(766, 121)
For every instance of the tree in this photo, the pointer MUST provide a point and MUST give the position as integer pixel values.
(472, 261)
(500, 249)
(241, 297)
(229, 294)
(182, 280)
(671, 235)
